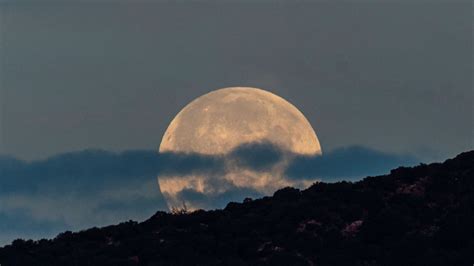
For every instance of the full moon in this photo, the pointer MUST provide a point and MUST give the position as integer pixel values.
(220, 121)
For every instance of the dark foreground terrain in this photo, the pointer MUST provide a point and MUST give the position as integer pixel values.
(413, 216)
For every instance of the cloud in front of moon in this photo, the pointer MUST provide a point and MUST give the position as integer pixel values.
(222, 123)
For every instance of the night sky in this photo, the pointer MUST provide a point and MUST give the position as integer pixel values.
(391, 76)
(80, 81)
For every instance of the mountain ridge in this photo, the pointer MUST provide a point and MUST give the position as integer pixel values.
(419, 215)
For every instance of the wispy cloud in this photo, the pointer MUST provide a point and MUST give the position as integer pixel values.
(93, 188)
(347, 163)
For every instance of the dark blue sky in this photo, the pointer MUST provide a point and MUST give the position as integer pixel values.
(394, 76)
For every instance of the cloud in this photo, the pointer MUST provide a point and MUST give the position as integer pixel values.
(261, 168)
(344, 163)
(347, 163)
(92, 172)
(256, 156)
(86, 171)
(77, 190)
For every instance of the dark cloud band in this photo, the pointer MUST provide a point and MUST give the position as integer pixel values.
(104, 187)
(94, 169)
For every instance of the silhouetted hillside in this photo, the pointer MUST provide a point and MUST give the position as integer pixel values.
(413, 216)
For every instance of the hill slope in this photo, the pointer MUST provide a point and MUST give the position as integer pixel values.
(413, 216)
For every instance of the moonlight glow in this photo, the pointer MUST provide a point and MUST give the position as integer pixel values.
(218, 122)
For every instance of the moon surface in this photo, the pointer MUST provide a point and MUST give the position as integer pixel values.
(219, 122)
